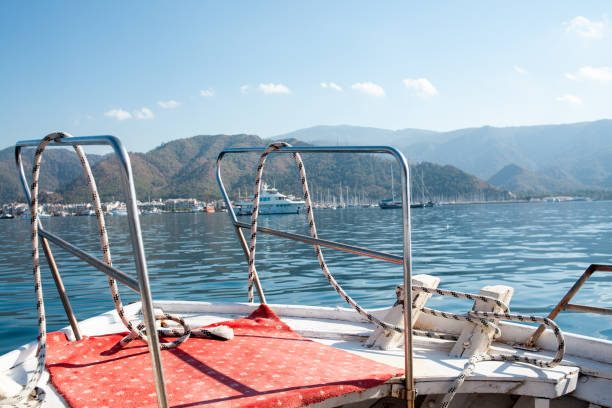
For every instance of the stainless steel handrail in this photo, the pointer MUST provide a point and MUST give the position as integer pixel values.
(406, 259)
(140, 285)
(384, 256)
(90, 259)
(565, 305)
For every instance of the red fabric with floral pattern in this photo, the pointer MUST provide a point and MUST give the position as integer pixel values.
(266, 365)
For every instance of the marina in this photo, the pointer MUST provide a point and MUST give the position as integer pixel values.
(315, 204)
(355, 332)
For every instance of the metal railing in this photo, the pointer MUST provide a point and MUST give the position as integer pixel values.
(139, 285)
(405, 260)
(565, 305)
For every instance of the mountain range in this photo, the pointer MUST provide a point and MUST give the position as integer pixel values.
(558, 158)
(186, 168)
(527, 160)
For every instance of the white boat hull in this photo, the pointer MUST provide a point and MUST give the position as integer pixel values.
(272, 209)
(586, 377)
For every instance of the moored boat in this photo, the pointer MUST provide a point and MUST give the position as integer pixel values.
(270, 202)
(118, 211)
(292, 355)
(389, 203)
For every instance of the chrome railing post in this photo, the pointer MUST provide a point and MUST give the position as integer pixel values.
(565, 305)
(407, 264)
(141, 268)
(241, 239)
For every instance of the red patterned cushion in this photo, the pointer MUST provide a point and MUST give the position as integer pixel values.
(266, 365)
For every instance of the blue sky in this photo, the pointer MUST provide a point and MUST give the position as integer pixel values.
(151, 72)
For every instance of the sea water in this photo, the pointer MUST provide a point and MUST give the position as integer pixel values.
(539, 249)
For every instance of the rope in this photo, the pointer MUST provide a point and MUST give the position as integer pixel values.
(95, 197)
(31, 395)
(135, 332)
(461, 295)
(480, 321)
(182, 336)
(469, 367)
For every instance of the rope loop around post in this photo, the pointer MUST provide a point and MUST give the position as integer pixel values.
(31, 395)
(313, 232)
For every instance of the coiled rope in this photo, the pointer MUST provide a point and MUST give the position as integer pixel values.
(475, 317)
(31, 395)
(469, 367)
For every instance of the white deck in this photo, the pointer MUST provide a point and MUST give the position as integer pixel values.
(344, 329)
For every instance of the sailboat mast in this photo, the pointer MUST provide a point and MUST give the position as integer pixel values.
(392, 188)
(422, 188)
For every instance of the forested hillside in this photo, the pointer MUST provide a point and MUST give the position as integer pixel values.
(186, 168)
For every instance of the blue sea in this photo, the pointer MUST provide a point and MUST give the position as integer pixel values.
(540, 249)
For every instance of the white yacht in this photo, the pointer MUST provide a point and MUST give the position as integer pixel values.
(270, 202)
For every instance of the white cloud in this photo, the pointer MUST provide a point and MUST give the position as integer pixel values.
(422, 86)
(369, 88)
(274, 88)
(601, 74)
(520, 70)
(331, 85)
(207, 92)
(143, 113)
(586, 28)
(335, 86)
(244, 89)
(118, 114)
(569, 98)
(571, 77)
(171, 104)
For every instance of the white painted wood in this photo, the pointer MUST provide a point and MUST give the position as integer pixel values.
(531, 402)
(23, 370)
(460, 401)
(8, 386)
(476, 339)
(595, 390)
(470, 401)
(388, 339)
(370, 395)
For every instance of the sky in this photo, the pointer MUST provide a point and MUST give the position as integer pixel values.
(155, 71)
